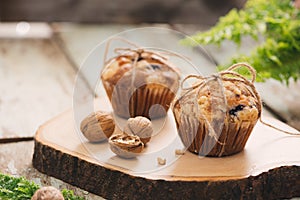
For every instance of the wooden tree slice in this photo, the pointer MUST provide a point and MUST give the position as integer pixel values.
(268, 168)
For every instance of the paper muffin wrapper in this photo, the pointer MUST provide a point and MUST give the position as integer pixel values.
(150, 100)
(194, 134)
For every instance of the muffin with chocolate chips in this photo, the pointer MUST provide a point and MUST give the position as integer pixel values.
(216, 116)
(140, 83)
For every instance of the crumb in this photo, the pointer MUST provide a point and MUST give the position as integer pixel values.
(179, 152)
(161, 161)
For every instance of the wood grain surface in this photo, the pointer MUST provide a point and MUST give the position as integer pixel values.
(36, 83)
(269, 157)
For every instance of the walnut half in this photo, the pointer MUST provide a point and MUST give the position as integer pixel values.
(126, 146)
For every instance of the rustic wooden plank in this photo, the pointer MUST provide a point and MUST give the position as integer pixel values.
(283, 100)
(36, 83)
(25, 30)
(15, 159)
(129, 11)
(78, 40)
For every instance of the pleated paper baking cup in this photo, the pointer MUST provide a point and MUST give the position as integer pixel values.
(216, 114)
(150, 100)
(194, 134)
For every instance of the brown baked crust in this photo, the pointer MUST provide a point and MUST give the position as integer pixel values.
(133, 88)
(240, 102)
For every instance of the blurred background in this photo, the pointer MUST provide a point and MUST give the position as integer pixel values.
(122, 11)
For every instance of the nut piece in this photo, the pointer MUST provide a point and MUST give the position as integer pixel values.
(161, 161)
(98, 126)
(47, 193)
(140, 126)
(179, 152)
(126, 146)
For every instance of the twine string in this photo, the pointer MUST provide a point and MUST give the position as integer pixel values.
(109, 43)
(137, 51)
(250, 68)
(230, 75)
(279, 129)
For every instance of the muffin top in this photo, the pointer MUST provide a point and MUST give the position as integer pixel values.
(149, 68)
(240, 104)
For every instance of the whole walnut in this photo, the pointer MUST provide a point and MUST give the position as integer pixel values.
(98, 126)
(47, 193)
(140, 126)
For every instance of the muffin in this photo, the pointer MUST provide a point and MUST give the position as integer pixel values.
(216, 116)
(140, 83)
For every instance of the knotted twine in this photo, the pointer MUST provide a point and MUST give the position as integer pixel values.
(137, 52)
(230, 75)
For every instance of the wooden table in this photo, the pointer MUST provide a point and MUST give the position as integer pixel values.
(37, 74)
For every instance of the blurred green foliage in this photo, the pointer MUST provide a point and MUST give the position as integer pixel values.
(278, 21)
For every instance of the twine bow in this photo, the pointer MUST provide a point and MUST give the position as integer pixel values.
(137, 52)
(230, 75)
(227, 75)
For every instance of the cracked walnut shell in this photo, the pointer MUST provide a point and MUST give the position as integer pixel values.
(98, 126)
(126, 146)
(140, 126)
